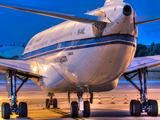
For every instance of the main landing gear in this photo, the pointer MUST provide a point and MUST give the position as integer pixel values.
(51, 101)
(84, 106)
(144, 105)
(8, 109)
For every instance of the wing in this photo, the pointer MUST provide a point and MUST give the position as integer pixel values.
(29, 68)
(143, 62)
(147, 19)
(81, 18)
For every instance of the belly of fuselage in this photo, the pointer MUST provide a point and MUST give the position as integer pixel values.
(98, 65)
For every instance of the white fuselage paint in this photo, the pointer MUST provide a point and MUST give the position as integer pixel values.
(91, 66)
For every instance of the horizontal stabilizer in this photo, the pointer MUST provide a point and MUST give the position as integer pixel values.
(80, 18)
(147, 19)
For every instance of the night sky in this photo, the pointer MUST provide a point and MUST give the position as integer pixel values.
(18, 27)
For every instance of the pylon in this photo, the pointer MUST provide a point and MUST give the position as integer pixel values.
(137, 98)
(112, 101)
(87, 98)
(99, 102)
(125, 100)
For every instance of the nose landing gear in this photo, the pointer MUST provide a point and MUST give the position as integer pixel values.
(51, 101)
(84, 106)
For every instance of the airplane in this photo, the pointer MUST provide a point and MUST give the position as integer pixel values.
(86, 53)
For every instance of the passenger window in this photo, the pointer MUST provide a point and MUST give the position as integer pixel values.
(63, 44)
(69, 44)
(81, 42)
(74, 43)
(58, 45)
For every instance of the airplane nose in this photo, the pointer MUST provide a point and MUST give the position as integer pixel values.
(127, 10)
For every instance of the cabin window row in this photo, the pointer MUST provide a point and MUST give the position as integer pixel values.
(79, 42)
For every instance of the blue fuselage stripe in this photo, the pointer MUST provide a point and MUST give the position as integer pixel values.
(80, 44)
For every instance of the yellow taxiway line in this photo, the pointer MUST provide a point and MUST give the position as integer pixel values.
(63, 113)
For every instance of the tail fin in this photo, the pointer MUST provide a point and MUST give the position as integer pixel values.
(112, 1)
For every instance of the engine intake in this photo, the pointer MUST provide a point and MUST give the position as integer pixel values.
(127, 10)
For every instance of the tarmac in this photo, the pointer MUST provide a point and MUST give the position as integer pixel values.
(35, 99)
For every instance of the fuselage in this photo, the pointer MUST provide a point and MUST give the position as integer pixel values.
(74, 56)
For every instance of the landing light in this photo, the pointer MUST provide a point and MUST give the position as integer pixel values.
(44, 68)
(59, 54)
(35, 69)
(53, 64)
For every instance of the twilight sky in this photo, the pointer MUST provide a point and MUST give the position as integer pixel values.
(17, 27)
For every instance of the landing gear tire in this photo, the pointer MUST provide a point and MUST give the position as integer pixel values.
(136, 108)
(47, 103)
(54, 103)
(153, 108)
(74, 109)
(86, 112)
(149, 103)
(2, 110)
(150, 106)
(23, 109)
(5, 110)
(131, 107)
